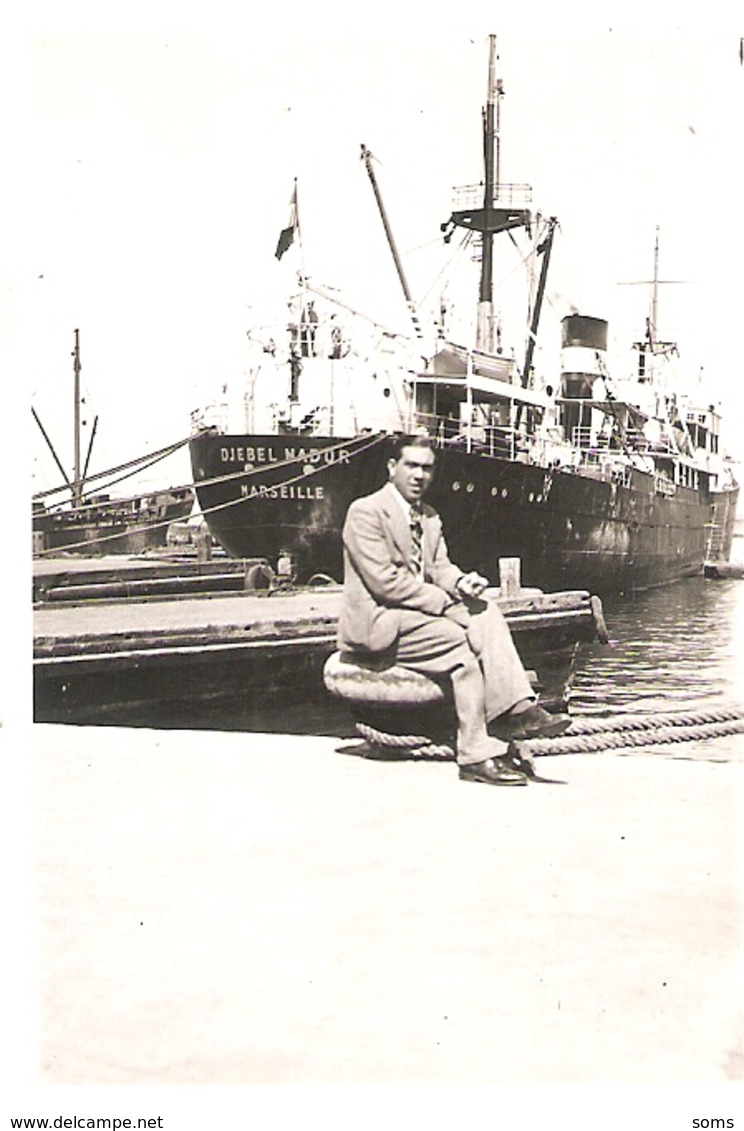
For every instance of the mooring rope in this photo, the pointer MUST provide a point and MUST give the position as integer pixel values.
(414, 745)
(307, 472)
(651, 730)
(588, 735)
(586, 725)
(136, 464)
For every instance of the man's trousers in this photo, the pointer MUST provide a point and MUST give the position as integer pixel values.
(438, 645)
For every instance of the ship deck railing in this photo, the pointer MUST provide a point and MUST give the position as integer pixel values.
(212, 417)
(664, 485)
(606, 463)
(493, 440)
(508, 195)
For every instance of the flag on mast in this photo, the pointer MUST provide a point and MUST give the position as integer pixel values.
(287, 235)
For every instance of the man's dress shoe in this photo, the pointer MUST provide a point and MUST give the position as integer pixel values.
(535, 722)
(519, 763)
(526, 766)
(494, 771)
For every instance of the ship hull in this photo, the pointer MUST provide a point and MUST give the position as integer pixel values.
(108, 530)
(264, 495)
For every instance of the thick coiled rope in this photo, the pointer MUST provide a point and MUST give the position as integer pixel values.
(585, 735)
(405, 745)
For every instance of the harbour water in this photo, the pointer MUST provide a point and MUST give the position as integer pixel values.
(671, 648)
(675, 649)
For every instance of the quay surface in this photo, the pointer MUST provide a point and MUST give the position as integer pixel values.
(261, 909)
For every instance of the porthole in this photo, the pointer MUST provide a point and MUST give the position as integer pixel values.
(504, 492)
(455, 486)
(494, 490)
(470, 487)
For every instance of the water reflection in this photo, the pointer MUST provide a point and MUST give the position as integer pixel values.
(677, 646)
(680, 648)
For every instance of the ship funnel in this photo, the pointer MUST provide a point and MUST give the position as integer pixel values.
(584, 345)
(583, 349)
(579, 330)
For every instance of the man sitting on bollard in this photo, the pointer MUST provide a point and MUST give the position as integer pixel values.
(403, 597)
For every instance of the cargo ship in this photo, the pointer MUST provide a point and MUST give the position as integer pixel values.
(89, 520)
(594, 482)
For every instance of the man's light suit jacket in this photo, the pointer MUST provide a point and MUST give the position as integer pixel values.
(378, 580)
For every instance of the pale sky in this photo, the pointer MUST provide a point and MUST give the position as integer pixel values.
(161, 167)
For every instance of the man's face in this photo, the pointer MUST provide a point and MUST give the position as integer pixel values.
(412, 473)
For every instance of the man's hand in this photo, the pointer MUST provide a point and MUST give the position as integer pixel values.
(472, 584)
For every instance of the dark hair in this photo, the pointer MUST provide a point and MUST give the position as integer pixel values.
(398, 442)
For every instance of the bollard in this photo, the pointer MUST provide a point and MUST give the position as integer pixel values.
(258, 575)
(203, 541)
(510, 576)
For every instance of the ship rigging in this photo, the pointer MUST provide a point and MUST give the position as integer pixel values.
(584, 478)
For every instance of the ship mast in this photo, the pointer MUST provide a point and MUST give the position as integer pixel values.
(651, 348)
(492, 178)
(499, 207)
(77, 484)
(654, 295)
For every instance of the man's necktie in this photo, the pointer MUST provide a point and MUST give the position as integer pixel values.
(417, 541)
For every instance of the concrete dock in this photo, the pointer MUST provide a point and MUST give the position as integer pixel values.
(245, 909)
